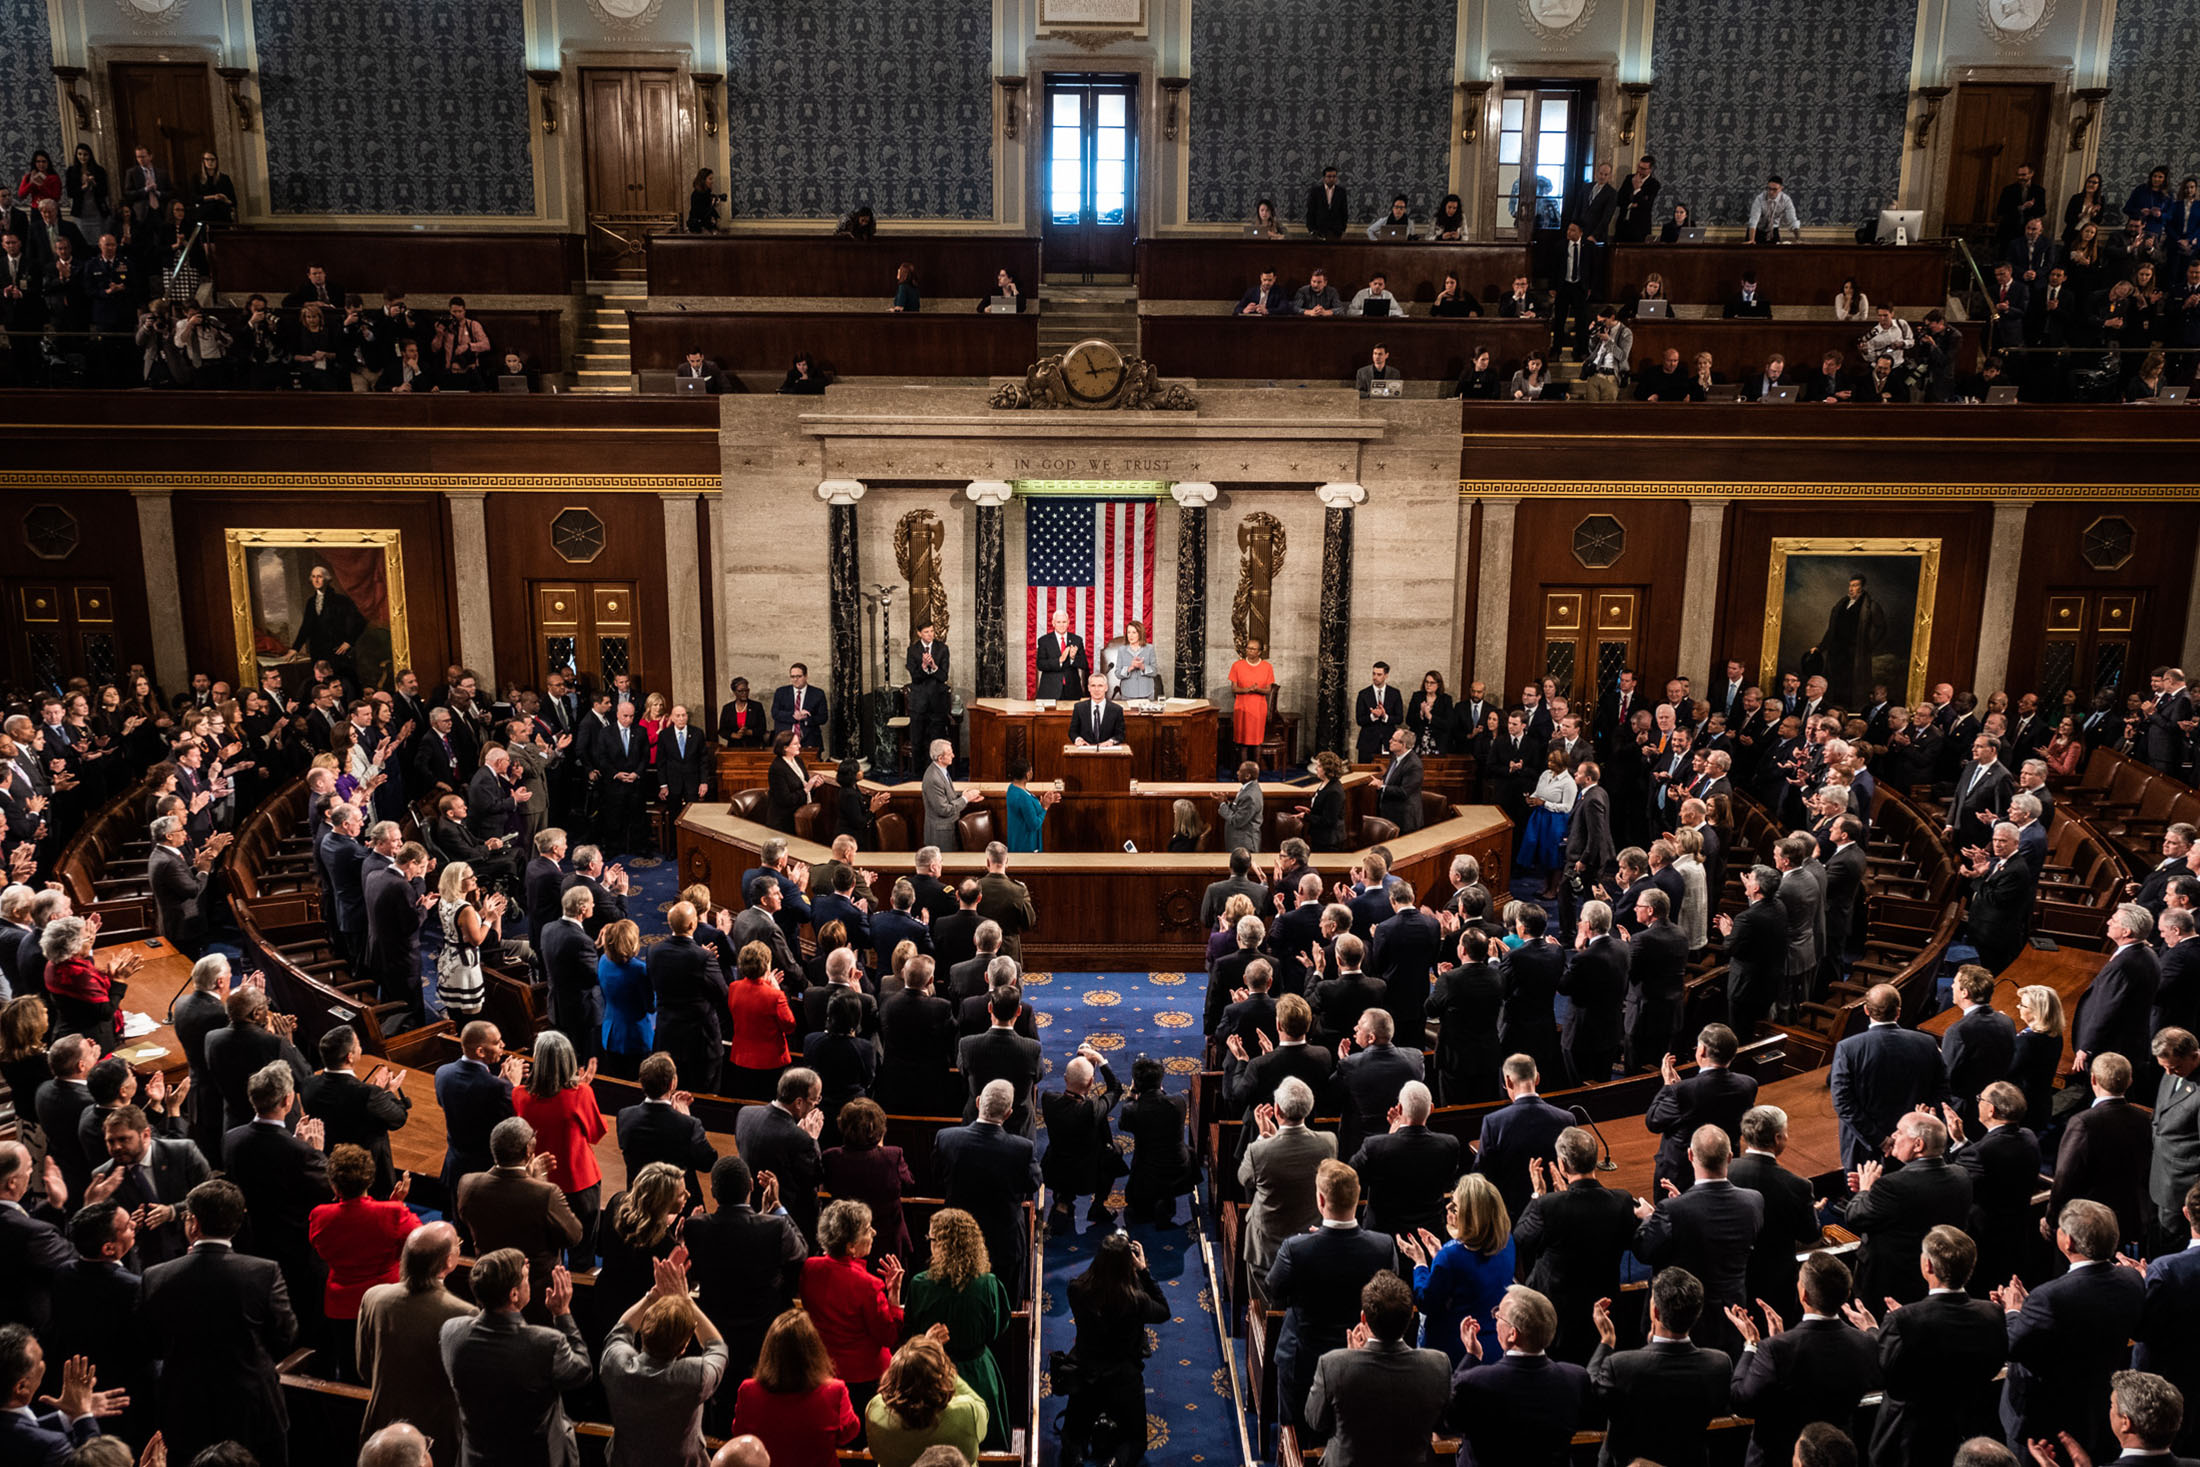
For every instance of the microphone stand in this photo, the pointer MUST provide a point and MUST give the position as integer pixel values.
(1605, 1162)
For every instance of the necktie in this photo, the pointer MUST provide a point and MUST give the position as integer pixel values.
(623, 745)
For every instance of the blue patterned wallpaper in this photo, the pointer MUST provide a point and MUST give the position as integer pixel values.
(30, 118)
(380, 108)
(836, 103)
(2153, 111)
(1281, 88)
(1813, 92)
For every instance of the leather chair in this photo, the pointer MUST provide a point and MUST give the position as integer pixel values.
(1434, 808)
(1273, 747)
(974, 831)
(893, 832)
(812, 820)
(1289, 827)
(1375, 830)
(749, 805)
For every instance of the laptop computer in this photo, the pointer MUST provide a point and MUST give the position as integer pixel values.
(2001, 394)
(1386, 388)
(1691, 235)
(1001, 305)
(1651, 307)
(2173, 394)
(1375, 306)
(1393, 231)
(512, 384)
(691, 386)
(1781, 392)
(655, 384)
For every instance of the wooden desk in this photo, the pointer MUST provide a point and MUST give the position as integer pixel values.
(1333, 348)
(953, 270)
(1175, 744)
(1223, 269)
(154, 990)
(1913, 277)
(1103, 771)
(1739, 348)
(849, 343)
(742, 769)
(432, 265)
(1098, 820)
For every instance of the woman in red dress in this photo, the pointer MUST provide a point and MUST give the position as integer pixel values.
(560, 1104)
(361, 1240)
(762, 1021)
(858, 1313)
(794, 1404)
(1253, 681)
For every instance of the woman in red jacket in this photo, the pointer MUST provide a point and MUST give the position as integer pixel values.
(361, 1240)
(87, 998)
(761, 1023)
(792, 1403)
(559, 1103)
(858, 1313)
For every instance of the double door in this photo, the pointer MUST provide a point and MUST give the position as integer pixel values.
(2088, 645)
(165, 106)
(63, 629)
(1091, 180)
(588, 628)
(1997, 127)
(1590, 634)
(634, 155)
(1546, 151)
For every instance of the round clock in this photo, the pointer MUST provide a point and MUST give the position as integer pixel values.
(1092, 372)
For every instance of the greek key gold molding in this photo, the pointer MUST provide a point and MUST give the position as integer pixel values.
(708, 485)
(1672, 489)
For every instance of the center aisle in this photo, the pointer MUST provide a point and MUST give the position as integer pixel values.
(1190, 1413)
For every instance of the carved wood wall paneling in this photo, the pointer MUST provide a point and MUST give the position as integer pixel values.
(522, 551)
(2159, 572)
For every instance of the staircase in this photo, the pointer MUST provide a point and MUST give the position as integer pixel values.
(602, 360)
(1072, 313)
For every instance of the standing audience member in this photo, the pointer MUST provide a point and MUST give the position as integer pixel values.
(1378, 1399)
(361, 1243)
(2068, 1336)
(1940, 1358)
(1659, 1401)
(399, 1341)
(793, 1404)
(858, 1313)
(1316, 1280)
(510, 1376)
(559, 1102)
(655, 1389)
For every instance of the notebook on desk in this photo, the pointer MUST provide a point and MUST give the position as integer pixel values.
(511, 384)
(692, 386)
(1781, 392)
(2173, 394)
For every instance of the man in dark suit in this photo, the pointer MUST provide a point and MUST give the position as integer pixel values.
(2105, 1155)
(283, 1176)
(178, 881)
(254, 1037)
(1342, 999)
(332, 623)
(198, 1014)
(2152, 892)
(1982, 793)
(1660, 1400)
(927, 664)
(1845, 914)
(781, 1138)
(1327, 213)
(690, 989)
(1595, 985)
(1081, 1159)
(1529, 978)
(2003, 1159)
(509, 1374)
(1401, 954)
(1316, 1280)
(157, 1173)
(2176, 1150)
(1881, 1075)
(1064, 662)
(1399, 800)
(1380, 1400)
(898, 924)
(2000, 913)
(218, 1320)
(1370, 1075)
(1096, 721)
(1407, 1172)
(1000, 1053)
(1977, 1048)
(621, 764)
(955, 931)
(1251, 1081)
(2166, 1343)
(1816, 1370)
(474, 1092)
(352, 1111)
(1748, 302)
(540, 884)
(48, 1438)
(61, 1102)
(1939, 1359)
(1377, 712)
(749, 1260)
(1791, 1211)
(32, 1249)
(798, 706)
(2068, 1336)
(1572, 1239)
(1713, 1096)
(918, 1029)
(1519, 1134)
(492, 807)
(1893, 1211)
(1521, 1401)
(1708, 1230)
(2112, 1016)
(569, 966)
(989, 1171)
(398, 903)
(1756, 942)
(661, 1127)
(1657, 972)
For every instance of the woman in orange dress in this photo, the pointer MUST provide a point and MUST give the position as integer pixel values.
(1253, 680)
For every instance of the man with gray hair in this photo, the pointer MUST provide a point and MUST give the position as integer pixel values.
(283, 1177)
(2069, 1337)
(178, 880)
(15, 930)
(1402, 1171)
(2112, 1016)
(399, 1326)
(1893, 1211)
(2152, 891)
(2176, 1153)
(2001, 886)
(781, 1139)
(944, 801)
(514, 1205)
(400, 1444)
(1277, 1173)
(1081, 1158)
(2024, 813)
(969, 979)
(989, 1171)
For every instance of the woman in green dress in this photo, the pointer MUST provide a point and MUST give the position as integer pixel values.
(960, 1291)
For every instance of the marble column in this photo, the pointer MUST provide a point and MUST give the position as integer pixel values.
(1192, 499)
(721, 606)
(1706, 527)
(683, 582)
(2189, 649)
(1333, 650)
(991, 496)
(1493, 599)
(477, 642)
(1998, 615)
(163, 591)
(844, 567)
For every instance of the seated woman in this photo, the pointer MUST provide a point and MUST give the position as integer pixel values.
(1265, 223)
(1850, 303)
(804, 379)
(1005, 288)
(862, 1168)
(1671, 232)
(960, 1291)
(1480, 382)
(1532, 382)
(862, 224)
(2148, 383)
(1702, 380)
(1454, 300)
(1652, 289)
(923, 1401)
(1450, 223)
(794, 1404)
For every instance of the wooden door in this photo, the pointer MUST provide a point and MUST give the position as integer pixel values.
(1589, 634)
(1546, 147)
(635, 153)
(1997, 127)
(587, 627)
(164, 106)
(64, 629)
(2088, 644)
(1091, 179)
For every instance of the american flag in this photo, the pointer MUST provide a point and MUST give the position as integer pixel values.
(1092, 558)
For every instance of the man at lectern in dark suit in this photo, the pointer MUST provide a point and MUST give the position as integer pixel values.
(1096, 720)
(1064, 664)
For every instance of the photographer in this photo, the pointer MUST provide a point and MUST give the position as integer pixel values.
(461, 346)
(206, 343)
(1611, 344)
(267, 368)
(703, 204)
(380, 337)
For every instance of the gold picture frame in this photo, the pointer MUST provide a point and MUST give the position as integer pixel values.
(1919, 556)
(245, 603)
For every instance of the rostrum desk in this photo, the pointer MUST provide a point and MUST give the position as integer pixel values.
(1176, 744)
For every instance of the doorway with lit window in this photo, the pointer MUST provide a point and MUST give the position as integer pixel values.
(1546, 158)
(1090, 182)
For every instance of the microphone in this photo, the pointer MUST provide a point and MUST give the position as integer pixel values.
(1605, 1162)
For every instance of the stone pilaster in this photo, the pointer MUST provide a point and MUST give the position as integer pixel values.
(1192, 499)
(683, 582)
(991, 496)
(163, 592)
(1706, 527)
(1998, 614)
(844, 567)
(477, 640)
(1333, 653)
(1493, 598)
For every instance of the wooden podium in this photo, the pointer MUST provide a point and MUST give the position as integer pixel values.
(1174, 745)
(1096, 771)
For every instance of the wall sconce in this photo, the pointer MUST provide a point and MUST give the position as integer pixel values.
(706, 92)
(69, 76)
(2093, 97)
(1174, 86)
(1011, 89)
(1931, 97)
(1635, 93)
(234, 76)
(1477, 95)
(547, 83)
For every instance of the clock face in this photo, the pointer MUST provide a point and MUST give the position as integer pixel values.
(1092, 371)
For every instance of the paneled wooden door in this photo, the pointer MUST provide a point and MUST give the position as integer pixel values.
(164, 106)
(2088, 644)
(64, 629)
(592, 628)
(1997, 127)
(635, 152)
(1589, 634)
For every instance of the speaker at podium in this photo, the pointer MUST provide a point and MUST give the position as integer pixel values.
(1096, 769)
